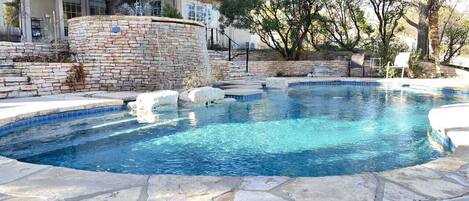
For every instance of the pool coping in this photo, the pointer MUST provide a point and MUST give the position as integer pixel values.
(443, 178)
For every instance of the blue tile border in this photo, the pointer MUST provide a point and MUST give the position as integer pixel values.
(334, 83)
(245, 97)
(444, 91)
(58, 116)
(451, 91)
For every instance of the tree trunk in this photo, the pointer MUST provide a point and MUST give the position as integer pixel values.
(435, 34)
(422, 39)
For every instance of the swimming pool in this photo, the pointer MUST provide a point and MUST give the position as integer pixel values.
(304, 131)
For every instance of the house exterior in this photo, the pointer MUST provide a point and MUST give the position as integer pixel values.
(38, 16)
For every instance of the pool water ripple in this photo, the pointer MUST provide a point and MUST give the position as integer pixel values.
(304, 131)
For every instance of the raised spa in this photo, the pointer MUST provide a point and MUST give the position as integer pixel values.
(304, 131)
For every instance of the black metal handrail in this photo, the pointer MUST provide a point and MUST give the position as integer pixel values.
(231, 43)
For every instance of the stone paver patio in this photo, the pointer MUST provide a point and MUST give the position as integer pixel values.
(442, 179)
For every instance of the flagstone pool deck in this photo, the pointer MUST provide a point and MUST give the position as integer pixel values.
(442, 179)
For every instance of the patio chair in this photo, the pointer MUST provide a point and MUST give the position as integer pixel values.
(357, 61)
(401, 61)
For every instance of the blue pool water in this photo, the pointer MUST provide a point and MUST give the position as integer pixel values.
(305, 131)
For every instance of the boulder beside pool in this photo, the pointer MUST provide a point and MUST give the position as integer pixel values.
(276, 83)
(148, 101)
(203, 95)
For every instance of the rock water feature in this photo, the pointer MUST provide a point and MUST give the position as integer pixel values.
(147, 103)
(141, 53)
(203, 95)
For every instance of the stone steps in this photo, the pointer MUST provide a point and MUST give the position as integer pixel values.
(15, 91)
(237, 71)
(10, 72)
(218, 55)
(6, 65)
(13, 84)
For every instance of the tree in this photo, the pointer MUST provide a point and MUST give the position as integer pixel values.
(434, 9)
(282, 25)
(454, 33)
(171, 12)
(422, 27)
(388, 13)
(343, 22)
(12, 13)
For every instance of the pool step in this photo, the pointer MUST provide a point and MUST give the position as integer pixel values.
(241, 94)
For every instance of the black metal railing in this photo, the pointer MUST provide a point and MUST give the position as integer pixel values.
(215, 41)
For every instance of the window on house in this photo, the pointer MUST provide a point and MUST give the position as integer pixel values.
(156, 8)
(97, 7)
(191, 11)
(199, 12)
(72, 8)
(209, 14)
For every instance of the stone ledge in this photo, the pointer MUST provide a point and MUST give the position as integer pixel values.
(138, 18)
(23, 108)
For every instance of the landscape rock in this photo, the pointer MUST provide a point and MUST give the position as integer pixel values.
(203, 95)
(425, 181)
(355, 187)
(276, 83)
(148, 101)
(168, 187)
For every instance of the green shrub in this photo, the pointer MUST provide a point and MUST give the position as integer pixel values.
(415, 70)
(171, 12)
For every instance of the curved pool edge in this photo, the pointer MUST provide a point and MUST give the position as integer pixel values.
(443, 178)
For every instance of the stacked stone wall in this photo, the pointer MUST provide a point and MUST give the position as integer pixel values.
(50, 78)
(11, 50)
(272, 55)
(331, 68)
(141, 53)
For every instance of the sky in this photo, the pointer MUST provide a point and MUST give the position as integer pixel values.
(463, 5)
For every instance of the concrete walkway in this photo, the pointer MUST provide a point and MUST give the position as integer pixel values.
(442, 179)
(12, 110)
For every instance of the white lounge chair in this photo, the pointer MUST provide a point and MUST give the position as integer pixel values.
(401, 61)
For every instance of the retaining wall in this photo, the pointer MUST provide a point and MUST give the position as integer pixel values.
(11, 50)
(50, 78)
(141, 53)
(331, 68)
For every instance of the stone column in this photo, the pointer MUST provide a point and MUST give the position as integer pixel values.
(25, 11)
(59, 14)
(85, 7)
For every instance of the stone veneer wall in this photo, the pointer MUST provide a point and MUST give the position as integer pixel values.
(219, 65)
(50, 78)
(10, 50)
(272, 55)
(140, 53)
(332, 68)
